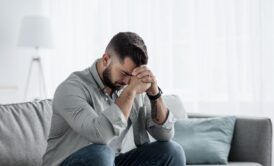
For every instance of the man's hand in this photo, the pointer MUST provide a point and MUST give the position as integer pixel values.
(138, 86)
(145, 74)
(125, 100)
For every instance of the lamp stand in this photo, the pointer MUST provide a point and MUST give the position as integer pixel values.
(41, 78)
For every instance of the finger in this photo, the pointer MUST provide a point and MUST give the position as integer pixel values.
(138, 70)
(134, 78)
(144, 73)
(148, 79)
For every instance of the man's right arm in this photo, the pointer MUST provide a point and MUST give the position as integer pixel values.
(125, 100)
(71, 103)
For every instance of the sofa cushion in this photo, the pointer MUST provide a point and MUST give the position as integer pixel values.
(24, 128)
(205, 141)
(174, 103)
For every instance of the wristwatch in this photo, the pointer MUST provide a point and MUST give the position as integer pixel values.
(153, 98)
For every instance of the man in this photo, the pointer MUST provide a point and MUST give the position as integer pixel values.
(94, 109)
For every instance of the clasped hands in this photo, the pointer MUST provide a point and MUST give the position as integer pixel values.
(143, 80)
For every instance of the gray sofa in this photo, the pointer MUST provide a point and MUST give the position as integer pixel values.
(24, 128)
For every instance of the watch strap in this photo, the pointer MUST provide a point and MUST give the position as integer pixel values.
(153, 98)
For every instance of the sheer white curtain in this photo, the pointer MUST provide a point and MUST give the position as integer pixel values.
(216, 54)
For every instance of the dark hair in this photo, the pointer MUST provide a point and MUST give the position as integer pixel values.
(129, 44)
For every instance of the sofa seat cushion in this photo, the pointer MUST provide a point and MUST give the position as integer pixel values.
(234, 164)
(24, 128)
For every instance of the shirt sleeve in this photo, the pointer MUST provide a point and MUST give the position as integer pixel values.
(70, 102)
(162, 132)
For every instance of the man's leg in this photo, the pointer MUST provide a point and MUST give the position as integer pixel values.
(91, 155)
(160, 153)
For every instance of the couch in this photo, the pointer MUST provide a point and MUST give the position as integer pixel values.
(24, 128)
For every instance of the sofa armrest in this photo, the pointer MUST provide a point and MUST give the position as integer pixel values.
(252, 139)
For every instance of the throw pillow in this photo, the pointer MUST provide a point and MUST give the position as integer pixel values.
(205, 140)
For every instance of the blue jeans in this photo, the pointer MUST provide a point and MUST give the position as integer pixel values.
(160, 153)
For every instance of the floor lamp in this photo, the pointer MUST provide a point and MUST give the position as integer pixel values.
(36, 33)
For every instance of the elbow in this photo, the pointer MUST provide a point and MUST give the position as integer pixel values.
(100, 138)
(165, 138)
(100, 141)
(163, 135)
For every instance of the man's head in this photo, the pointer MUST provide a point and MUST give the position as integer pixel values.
(125, 51)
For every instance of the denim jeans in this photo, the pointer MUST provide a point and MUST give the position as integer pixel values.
(160, 153)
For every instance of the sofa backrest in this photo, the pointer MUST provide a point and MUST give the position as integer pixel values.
(175, 105)
(23, 131)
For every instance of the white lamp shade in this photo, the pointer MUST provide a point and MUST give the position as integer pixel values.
(35, 32)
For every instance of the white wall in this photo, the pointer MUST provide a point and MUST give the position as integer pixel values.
(14, 61)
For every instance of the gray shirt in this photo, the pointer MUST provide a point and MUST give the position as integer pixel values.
(83, 114)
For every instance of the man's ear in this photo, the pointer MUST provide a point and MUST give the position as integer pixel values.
(106, 59)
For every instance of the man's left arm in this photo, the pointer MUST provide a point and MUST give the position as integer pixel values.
(160, 121)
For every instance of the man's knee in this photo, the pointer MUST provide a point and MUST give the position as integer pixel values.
(94, 154)
(173, 146)
(102, 152)
(174, 149)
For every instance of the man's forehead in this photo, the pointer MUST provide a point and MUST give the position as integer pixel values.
(127, 65)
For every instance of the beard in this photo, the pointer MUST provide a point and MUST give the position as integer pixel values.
(107, 79)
